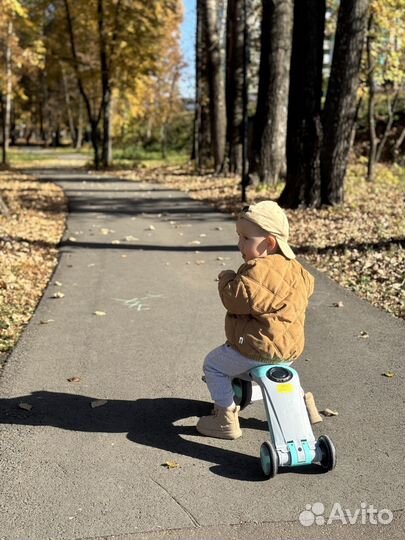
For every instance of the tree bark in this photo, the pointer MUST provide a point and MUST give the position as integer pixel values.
(398, 143)
(6, 98)
(215, 85)
(93, 119)
(340, 104)
(371, 103)
(273, 140)
(391, 116)
(106, 153)
(235, 83)
(79, 129)
(304, 130)
(202, 124)
(69, 113)
(264, 78)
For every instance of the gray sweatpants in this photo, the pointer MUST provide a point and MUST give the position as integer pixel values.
(220, 366)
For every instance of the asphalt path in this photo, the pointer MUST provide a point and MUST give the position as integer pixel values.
(88, 459)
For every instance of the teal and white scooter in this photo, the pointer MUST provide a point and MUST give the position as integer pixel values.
(292, 442)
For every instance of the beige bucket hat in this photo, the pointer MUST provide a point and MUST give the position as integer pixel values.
(272, 219)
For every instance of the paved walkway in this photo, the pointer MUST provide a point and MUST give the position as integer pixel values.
(148, 257)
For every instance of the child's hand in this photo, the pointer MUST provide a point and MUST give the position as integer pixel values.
(225, 272)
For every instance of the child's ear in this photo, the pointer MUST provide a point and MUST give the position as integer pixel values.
(272, 245)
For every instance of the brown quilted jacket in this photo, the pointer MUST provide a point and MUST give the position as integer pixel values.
(266, 302)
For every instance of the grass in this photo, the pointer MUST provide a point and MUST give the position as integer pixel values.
(134, 156)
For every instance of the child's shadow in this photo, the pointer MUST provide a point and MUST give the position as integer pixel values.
(151, 422)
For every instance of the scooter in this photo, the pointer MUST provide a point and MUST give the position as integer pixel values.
(292, 442)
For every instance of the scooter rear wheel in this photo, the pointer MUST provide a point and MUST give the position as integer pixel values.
(268, 459)
(328, 460)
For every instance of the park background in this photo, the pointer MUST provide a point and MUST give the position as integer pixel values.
(232, 101)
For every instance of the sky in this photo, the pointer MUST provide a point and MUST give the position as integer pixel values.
(187, 46)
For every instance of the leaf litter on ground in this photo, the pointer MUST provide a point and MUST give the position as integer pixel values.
(29, 237)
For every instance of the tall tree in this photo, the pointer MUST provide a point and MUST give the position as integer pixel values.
(277, 23)
(340, 104)
(304, 132)
(215, 84)
(12, 15)
(202, 123)
(235, 82)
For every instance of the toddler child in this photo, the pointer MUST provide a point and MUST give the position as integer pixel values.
(265, 301)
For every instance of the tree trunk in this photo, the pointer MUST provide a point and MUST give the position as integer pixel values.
(340, 104)
(304, 130)
(3, 130)
(106, 88)
(72, 130)
(398, 143)
(95, 142)
(79, 130)
(202, 127)
(273, 140)
(391, 116)
(371, 104)
(234, 83)
(6, 98)
(93, 118)
(215, 85)
(264, 81)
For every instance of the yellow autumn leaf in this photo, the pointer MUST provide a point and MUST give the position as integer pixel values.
(171, 465)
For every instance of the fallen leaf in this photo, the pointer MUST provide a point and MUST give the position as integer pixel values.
(100, 313)
(171, 465)
(58, 284)
(72, 239)
(388, 374)
(74, 379)
(338, 304)
(150, 228)
(25, 406)
(329, 412)
(46, 321)
(58, 295)
(98, 403)
(195, 243)
(203, 235)
(116, 242)
(200, 262)
(363, 334)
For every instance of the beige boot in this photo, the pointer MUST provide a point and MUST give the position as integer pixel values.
(222, 423)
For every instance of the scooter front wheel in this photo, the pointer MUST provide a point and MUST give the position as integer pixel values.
(268, 459)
